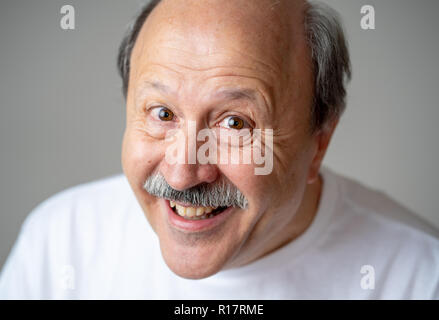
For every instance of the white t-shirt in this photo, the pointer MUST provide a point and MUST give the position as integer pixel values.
(94, 242)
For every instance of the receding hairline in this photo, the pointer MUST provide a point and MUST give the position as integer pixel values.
(288, 20)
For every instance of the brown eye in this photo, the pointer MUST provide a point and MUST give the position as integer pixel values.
(235, 123)
(165, 114)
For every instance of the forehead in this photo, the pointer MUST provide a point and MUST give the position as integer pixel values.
(260, 24)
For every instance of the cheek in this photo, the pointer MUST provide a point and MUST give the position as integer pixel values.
(139, 157)
(254, 187)
(265, 192)
(290, 173)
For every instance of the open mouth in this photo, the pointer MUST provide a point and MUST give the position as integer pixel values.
(196, 213)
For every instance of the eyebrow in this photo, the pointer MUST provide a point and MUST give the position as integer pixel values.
(230, 94)
(237, 94)
(251, 95)
(157, 86)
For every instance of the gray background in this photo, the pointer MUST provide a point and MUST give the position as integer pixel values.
(62, 113)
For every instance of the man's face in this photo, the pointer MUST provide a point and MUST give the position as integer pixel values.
(223, 65)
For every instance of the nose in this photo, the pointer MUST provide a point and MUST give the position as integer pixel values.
(185, 174)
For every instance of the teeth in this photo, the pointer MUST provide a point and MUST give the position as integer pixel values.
(181, 210)
(200, 211)
(191, 212)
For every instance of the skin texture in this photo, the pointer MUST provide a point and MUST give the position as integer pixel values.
(195, 49)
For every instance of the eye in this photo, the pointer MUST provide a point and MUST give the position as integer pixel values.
(234, 122)
(164, 114)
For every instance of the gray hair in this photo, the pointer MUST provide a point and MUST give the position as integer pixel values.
(331, 63)
(330, 58)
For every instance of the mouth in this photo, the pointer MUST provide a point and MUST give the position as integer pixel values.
(195, 213)
(189, 219)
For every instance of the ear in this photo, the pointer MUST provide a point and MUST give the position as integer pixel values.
(321, 139)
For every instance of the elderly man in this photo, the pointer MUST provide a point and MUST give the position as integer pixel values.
(221, 229)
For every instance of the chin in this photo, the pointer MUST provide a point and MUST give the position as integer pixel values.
(197, 255)
(192, 263)
(196, 249)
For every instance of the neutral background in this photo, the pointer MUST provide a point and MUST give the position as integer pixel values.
(62, 112)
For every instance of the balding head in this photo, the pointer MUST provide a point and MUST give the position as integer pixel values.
(262, 25)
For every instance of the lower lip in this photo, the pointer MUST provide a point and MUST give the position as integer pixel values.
(195, 225)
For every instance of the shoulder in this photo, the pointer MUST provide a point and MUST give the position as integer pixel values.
(372, 228)
(95, 191)
(375, 205)
(102, 196)
(84, 216)
(83, 227)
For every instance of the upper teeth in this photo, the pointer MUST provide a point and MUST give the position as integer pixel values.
(190, 211)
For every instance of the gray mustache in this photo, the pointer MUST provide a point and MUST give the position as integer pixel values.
(218, 194)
